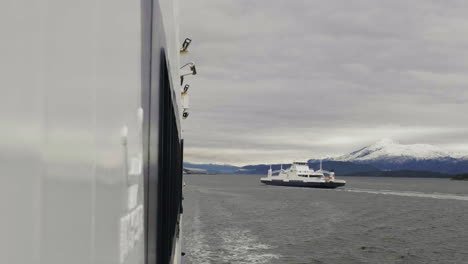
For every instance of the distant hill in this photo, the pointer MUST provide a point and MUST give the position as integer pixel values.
(388, 155)
(212, 168)
(387, 148)
(194, 171)
(342, 167)
(383, 158)
(461, 177)
(402, 173)
(261, 169)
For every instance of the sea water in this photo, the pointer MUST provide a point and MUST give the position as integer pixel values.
(236, 219)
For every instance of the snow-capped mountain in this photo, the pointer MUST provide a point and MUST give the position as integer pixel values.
(387, 149)
(387, 154)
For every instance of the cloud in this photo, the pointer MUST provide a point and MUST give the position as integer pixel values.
(295, 79)
(446, 79)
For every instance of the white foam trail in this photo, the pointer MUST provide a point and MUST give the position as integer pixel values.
(197, 248)
(443, 196)
(243, 247)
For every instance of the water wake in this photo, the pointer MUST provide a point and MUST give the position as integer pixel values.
(197, 247)
(241, 246)
(443, 196)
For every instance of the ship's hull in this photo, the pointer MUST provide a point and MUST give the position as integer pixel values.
(90, 132)
(326, 185)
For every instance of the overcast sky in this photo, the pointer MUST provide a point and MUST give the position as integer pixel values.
(298, 79)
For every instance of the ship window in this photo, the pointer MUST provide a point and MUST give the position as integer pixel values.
(164, 191)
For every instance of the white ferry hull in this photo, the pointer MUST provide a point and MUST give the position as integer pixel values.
(297, 183)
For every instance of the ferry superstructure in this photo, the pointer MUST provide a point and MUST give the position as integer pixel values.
(91, 142)
(300, 175)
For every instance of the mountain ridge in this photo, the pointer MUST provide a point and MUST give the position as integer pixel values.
(389, 155)
(387, 148)
(383, 155)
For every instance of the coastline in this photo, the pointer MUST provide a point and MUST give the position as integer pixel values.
(460, 177)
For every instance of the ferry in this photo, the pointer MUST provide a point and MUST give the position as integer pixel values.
(300, 175)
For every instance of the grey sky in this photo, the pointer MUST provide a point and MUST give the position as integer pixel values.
(296, 79)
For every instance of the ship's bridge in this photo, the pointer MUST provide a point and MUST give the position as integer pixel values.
(301, 167)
